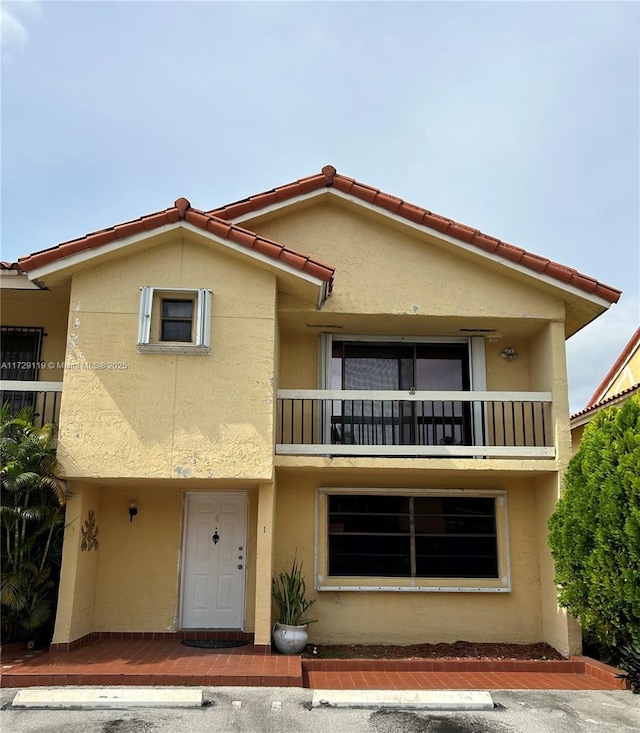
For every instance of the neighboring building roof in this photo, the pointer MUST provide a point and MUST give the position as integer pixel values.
(182, 210)
(579, 418)
(220, 222)
(416, 214)
(625, 355)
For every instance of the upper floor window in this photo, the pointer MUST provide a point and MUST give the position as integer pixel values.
(20, 354)
(177, 320)
(174, 320)
(20, 349)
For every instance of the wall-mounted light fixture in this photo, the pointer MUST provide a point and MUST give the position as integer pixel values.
(509, 353)
(133, 510)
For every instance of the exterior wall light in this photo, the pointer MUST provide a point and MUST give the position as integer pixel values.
(509, 353)
(133, 510)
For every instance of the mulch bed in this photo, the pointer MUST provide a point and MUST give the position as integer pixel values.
(457, 650)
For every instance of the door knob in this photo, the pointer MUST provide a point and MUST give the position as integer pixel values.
(239, 567)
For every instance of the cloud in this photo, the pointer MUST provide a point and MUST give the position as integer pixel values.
(14, 18)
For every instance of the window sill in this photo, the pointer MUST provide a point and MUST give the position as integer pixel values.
(416, 589)
(172, 349)
(413, 585)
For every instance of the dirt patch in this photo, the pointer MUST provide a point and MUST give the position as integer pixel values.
(457, 650)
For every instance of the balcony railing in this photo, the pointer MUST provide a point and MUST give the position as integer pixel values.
(43, 397)
(420, 424)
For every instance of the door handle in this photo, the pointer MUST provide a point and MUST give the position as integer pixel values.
(239, 567)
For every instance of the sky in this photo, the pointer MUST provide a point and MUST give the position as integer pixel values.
(521, 119)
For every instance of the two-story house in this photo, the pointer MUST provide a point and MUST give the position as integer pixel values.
(320, 370)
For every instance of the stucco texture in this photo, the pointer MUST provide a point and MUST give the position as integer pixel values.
(384, 270)
(405, 617)
(169, 415)
(76, 596)
(46, 309)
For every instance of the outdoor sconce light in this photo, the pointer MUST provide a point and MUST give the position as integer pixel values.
(509, 353)
(133, 510)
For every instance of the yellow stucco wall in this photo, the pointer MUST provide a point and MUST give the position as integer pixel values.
(48, 309)
(76, 597)
(549, 368)
(405, 617)
(382, 270)
(169, 415)
(628, 377)
(132, 581)
(138, 571)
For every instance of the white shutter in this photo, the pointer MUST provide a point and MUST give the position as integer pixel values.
(144, 317)
(203, 326)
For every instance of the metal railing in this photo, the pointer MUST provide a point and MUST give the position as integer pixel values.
(420, 424)
(42, 397)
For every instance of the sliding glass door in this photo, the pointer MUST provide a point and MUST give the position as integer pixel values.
(403, 367)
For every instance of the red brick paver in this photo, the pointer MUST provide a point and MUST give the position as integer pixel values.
(577, 673)
(455, 681)
(150, 662)
(167, 662)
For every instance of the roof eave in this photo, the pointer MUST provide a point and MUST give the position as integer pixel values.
(586, 415)
(317, 289)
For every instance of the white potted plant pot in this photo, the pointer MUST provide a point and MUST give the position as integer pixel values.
(289, 592)
(290, 639)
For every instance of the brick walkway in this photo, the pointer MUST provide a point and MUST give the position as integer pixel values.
(167, 662)
(110, 662)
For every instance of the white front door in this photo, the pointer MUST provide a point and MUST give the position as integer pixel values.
(214, 559)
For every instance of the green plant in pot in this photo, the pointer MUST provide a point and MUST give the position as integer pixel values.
(289, 591)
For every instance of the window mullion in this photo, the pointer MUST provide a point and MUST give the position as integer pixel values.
(412, 541)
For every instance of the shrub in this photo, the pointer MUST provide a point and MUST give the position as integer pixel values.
(594, 533)
(31, 526)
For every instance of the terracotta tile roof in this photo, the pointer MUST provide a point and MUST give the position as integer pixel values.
(603, 403)
(330, 178)
(633, 343)
(9, 266)
(182, 210)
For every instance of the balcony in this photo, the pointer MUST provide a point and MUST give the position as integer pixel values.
(43, 397)
(460, 424)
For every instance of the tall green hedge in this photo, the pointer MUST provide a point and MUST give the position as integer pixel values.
(594, 533)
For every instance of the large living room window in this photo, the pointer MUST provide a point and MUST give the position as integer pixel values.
(392, 539)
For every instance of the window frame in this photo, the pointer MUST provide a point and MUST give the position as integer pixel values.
(150, 314)
(325, 582)
(166, 319)
(476, 365)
